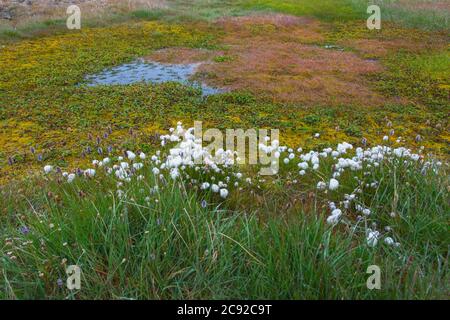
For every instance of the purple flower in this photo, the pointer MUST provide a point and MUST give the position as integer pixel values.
(39, 157)
(364, 141)
(204, 203)
(32, 150)
(59, 282)
(418, 138)
(24, 230)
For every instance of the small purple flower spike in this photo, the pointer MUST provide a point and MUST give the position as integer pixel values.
(364, 142)
(24, 230)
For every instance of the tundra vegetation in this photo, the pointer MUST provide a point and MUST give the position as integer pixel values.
(92, 176)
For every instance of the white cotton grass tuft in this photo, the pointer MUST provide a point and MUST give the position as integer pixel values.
(372, 238)
(204, 186)
(223, 193)
(333, 219)
(89, 173)
(333, 185)
(48, 169)
(138, 165)
(215, 188)
(71, 177)
(303, 165)
(131, 155)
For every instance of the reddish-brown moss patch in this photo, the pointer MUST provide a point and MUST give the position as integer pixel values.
(376, 47)
(272, 26)
(294, 72)
(385, 45)
(284, 58)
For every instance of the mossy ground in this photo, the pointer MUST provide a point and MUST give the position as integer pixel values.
(266, 240)
(42, 105)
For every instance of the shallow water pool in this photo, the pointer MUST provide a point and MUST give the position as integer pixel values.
(152, 72)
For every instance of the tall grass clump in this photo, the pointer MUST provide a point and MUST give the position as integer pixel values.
(163, 227)
(419, 14)
(415, 14)
(328, 10)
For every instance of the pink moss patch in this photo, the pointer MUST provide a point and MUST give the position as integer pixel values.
(278, 56)
(293, 72)
(382, 47)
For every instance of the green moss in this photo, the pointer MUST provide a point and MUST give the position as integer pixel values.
(10, 33)
(422, 77)
(312, 119)
(223, 59)
(148, 14)
(325, 9)
(435, 66)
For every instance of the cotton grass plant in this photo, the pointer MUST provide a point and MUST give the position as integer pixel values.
(159, 226)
